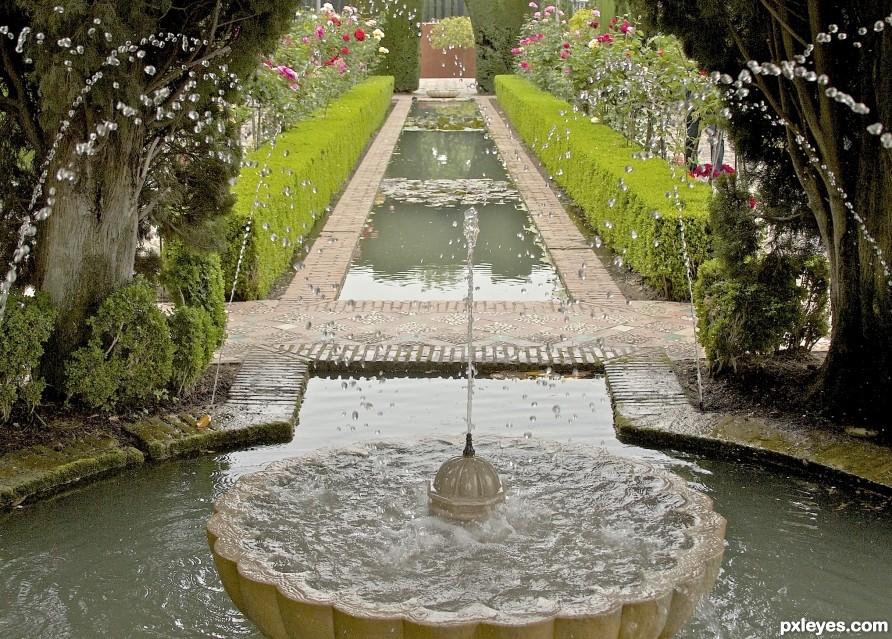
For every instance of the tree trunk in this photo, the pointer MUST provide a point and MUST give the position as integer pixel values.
(856, 381)
(87, 247)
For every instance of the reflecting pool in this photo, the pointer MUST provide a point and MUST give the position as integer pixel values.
(412, 248)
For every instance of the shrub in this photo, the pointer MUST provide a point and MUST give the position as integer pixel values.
(813, 322)
(455, 32)
(629, 209)
(190, 327)
(194, 281)
(748, 315)
(751, 303)
(283, 192)
(496, 29)
(129, 353)
(195, 278)
(403, 41)
(24, 328)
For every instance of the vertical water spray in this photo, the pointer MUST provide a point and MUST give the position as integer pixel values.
(471, 229)
(690, 279)
(467, 487)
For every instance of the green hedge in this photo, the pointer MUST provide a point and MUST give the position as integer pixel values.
(403, 41)
(629, 209)
(496, 31)
(297, 179)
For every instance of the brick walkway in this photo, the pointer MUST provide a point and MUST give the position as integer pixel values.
(311, 324)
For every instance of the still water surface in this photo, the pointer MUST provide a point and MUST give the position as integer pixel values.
(127, 557)
(412, 246)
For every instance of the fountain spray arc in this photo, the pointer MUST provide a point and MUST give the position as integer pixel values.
(468, 487)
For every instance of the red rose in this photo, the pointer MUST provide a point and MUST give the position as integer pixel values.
(359, 34)
(345, 50)
(346, 37)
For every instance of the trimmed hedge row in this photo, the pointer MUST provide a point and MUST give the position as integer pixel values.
(286, 187)
(629, 209)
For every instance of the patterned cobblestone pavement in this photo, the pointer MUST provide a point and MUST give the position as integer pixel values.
(310, 323)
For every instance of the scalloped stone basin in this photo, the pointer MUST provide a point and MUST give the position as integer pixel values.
(338, 545)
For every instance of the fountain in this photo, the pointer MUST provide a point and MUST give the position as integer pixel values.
(591, 546)
(468, 487)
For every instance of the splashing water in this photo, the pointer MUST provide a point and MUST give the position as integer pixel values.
(471, 230)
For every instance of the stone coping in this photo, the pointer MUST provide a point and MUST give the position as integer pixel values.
(650, 409)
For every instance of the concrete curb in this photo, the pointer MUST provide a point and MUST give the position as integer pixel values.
(42, 471)
(650, 409)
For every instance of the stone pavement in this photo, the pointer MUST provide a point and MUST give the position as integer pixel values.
(597, 322)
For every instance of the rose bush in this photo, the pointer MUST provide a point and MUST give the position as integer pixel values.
(323, 55)
(642, 87)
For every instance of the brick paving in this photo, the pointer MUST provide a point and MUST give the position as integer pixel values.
(597, 324)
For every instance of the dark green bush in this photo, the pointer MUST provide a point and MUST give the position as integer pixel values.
(402, 39)
(630, 210)
(195, 278)
(190, 327)
(746, 315)
(24, 328)
(496, 31)
(284, 191)
(129, 353)
(813, 322)
(750, 302)
(194, 282)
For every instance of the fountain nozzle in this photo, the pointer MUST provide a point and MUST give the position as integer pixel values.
(469, 446)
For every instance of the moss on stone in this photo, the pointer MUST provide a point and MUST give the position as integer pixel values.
(41, 469)
(181, 436)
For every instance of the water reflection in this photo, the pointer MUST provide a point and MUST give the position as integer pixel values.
(453, 155)
(410, 251)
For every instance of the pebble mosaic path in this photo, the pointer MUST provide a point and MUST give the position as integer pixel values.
(598, 324)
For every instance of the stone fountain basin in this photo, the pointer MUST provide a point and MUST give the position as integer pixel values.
(285, 606)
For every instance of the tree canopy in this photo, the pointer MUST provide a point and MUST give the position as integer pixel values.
(113, 115)
(810, 102)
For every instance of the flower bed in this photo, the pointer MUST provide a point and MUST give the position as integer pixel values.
(628, 208)
(285, 189)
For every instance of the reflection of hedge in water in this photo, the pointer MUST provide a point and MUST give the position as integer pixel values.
(445, 155)
(308, 166)
(630, 210)
(413, 236)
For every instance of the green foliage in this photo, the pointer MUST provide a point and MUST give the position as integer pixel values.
(455, 32)
(813, 322)
(496, 29)
(129, 354)
(403, 44)
(285, 191)
(629, 209)
(24, 329)
(646, 88)
(195, 278)
(323, 55)
(748, 315)
(749, 302)
(194, 281)
(190, 328)
(736, 235)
